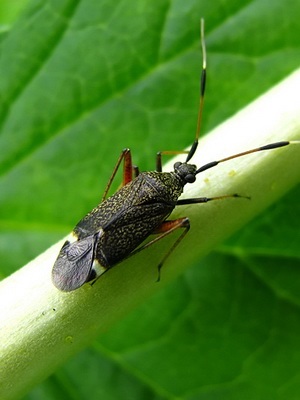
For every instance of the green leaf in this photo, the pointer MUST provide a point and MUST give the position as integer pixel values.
(9, 12)
(79, 81)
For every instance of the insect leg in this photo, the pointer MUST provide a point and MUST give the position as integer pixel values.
(168, 227)
(198, 200)
(135, 171)
(165, 229)
(128, 170)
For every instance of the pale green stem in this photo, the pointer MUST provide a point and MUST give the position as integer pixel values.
(40, 327)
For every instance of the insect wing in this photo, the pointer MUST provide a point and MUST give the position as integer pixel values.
(73, 265)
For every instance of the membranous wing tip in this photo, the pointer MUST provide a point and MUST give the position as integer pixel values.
(73, 266)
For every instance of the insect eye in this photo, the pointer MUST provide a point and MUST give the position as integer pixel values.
(177, 164)
(190, 178)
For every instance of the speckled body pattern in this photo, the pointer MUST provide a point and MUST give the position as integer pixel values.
(130, 215)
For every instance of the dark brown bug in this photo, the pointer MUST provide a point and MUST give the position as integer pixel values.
(118, 226)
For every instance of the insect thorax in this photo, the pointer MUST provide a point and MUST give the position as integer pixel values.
(161, 186)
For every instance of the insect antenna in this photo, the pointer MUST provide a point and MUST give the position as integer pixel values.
(269, 146)
(194, 146)
(202, 92)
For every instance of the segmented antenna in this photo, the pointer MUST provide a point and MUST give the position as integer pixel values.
(269, 146)
(202, 91)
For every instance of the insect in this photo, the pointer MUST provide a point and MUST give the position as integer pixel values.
(118, 226)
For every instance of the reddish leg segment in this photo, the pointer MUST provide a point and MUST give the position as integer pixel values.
(128, 171)
(163, 230)
(168, 227)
